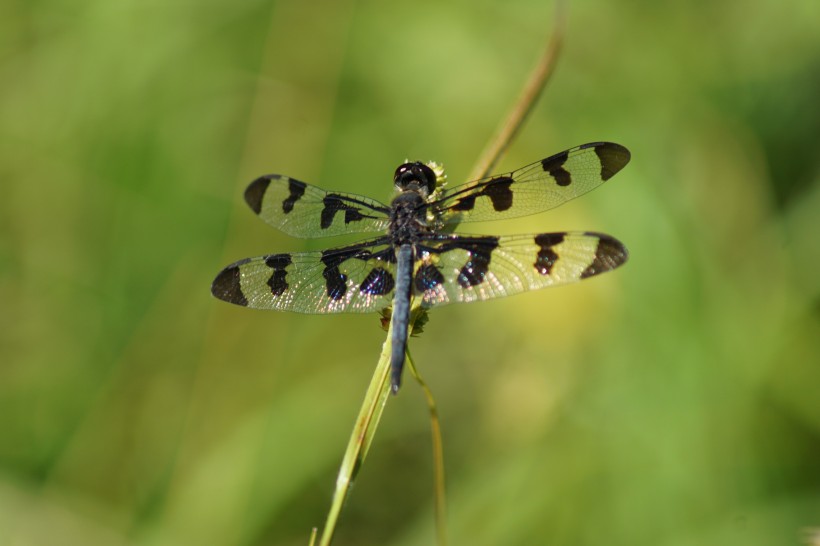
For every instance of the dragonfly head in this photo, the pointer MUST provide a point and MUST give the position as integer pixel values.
(415, 176)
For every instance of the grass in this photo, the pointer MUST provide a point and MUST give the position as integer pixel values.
(671, 402)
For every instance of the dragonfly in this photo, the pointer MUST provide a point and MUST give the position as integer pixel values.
(416, 260)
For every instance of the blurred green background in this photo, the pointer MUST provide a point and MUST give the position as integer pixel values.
(675, 401)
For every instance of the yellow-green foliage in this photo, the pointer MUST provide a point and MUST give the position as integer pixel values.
(674, 401)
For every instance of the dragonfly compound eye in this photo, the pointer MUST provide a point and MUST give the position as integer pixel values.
(415, 173)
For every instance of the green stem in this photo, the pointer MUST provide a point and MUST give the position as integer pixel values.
(438, 455)
(361, 438)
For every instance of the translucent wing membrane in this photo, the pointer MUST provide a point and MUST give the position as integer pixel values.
(305, 211)
(534, 188)
(462, 268)
(357, 279)
(447, 268)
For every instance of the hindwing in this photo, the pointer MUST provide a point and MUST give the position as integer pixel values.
(358, 278)
(464, 268)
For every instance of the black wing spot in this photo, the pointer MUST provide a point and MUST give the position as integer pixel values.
(497, 189)
(428, 277)
(335, 280)
(255, 193)
(613, 157)
(555, 166)
(336, 283)
(333, 204)
(546, 257)
(378, 282)
(465, 203)
(278, 281)
(227, 285)
(475, 270)
(353, 214)
(297, 190)
(562, 177)
(609, 254)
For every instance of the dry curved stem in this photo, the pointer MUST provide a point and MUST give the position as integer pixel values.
(532, 90)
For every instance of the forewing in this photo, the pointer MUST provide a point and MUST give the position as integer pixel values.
(357, 279)
(534, 188)
(305, 211)
(463, 268)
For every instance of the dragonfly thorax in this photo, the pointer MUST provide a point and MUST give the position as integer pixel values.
(407, 217)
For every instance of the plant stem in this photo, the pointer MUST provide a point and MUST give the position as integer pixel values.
(438, 455)
(361, 438)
